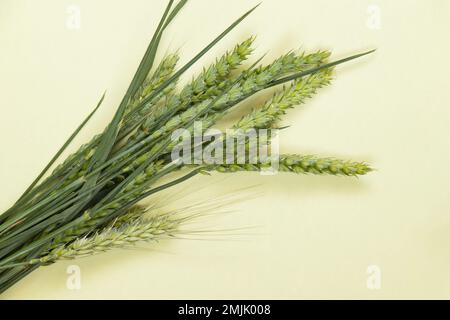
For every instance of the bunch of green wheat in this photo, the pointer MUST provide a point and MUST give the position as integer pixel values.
(89, 203)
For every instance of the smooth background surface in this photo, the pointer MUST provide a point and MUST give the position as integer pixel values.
(315, 236)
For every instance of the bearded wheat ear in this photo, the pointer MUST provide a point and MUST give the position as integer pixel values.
(124, 236)
(140, 224)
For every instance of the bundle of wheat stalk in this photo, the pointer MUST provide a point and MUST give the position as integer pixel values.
(89, 202)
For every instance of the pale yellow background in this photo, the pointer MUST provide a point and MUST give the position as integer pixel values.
(315, 236)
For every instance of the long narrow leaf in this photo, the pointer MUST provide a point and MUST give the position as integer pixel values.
(321, 67)
(26, 195)
(61, 150)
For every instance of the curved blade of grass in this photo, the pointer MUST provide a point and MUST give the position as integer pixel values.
(25, 196)
(314, 70)
(174, 12)
(18, 275)
(149, 56)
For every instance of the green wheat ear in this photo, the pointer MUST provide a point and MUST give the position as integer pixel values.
(301, 164)
(276, 107)
(128, 234)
